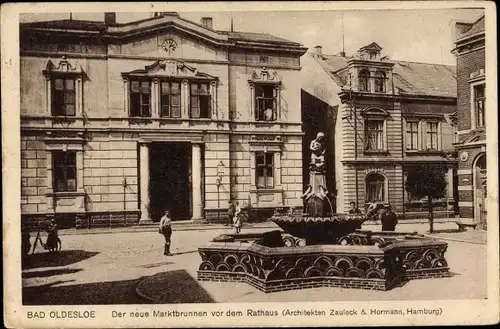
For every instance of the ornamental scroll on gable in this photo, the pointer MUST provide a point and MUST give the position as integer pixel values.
(170, 68)
(265, 75)
(63, 66)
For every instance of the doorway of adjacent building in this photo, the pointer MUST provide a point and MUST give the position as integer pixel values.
(480, 184)
(170, 185)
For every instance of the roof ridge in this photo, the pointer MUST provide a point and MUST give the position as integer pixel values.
(393, 60)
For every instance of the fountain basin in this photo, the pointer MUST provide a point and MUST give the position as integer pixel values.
(367, 260)
(319, 230)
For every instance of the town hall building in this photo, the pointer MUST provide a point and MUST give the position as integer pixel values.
(122, 121)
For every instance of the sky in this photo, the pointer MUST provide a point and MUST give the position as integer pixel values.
(419, 35)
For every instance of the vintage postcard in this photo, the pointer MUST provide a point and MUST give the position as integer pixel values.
(250, 164)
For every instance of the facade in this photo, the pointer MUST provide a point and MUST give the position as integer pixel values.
(121, 121)
(471, 144)
(388, 116)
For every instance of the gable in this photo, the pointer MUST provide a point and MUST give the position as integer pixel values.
(169, 44)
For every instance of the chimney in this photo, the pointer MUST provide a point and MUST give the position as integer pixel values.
(207, 22)
(109, 19)
(318, 51)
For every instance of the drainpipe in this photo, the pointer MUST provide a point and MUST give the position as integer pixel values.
(353, 104)
(402, 152)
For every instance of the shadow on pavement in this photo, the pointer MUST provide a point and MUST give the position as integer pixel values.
(153, 265)
(174, 287)
(61, 258)
(98, 293)
(450, 230)
(47, 273)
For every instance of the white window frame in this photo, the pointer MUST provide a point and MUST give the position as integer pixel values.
(473, 104)
(64, 69)
(386, 186)
(265, 76)
(419, 134)
(439, 135)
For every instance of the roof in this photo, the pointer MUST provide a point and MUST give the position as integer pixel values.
(92, 26)
(68, 24)
(412, 78)
(477, 27)
(252, 36)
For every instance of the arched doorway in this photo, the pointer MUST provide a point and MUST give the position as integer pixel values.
(480, 189)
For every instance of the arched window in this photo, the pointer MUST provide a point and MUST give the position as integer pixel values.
(375, 188)
(379, 82)
(364, 77)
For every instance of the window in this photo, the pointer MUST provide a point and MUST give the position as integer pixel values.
(64, 171)
(200, 100)
(170, 99)
(140, 98)
(363, 78)
(432, 135)
(63, 96)
(374, 135)
(412, 135)
(375, 188)
(380, 82)
(265, 102)
(479, 105)
(264, 169)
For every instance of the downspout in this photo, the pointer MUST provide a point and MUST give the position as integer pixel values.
(402, 152)
(353, 104)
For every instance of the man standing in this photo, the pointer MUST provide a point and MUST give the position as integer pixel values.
(230, 213)
(388, 218)
(354, 210)
(237, 218)
(166, 230)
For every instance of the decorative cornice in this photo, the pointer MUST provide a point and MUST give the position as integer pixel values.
(264, 76)
(63, 66)
(169, 68)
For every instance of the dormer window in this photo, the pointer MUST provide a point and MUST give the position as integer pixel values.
(379, 82)
(364, 83)
(373, 55)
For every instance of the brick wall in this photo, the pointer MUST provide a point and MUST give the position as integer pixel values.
(466, 64)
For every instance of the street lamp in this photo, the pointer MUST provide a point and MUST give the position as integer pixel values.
(218, 181)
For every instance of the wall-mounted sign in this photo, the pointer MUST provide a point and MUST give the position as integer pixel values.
(464, 156)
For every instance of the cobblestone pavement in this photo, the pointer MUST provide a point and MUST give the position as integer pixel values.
(105, 269)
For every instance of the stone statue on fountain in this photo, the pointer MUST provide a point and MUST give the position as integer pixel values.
(316, 193)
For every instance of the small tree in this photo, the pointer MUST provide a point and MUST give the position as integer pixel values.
(427, 181)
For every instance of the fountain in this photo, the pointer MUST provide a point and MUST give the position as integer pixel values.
(320, 250)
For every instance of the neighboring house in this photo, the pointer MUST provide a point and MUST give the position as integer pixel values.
(471, 117)
(120, 122)
(391, 115)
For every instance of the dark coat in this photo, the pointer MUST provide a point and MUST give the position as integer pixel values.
(389, 220)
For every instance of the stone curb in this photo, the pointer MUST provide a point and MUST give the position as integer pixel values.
(453, 239)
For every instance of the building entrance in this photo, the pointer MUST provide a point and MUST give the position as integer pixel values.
(170, 184)
(480, 190)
